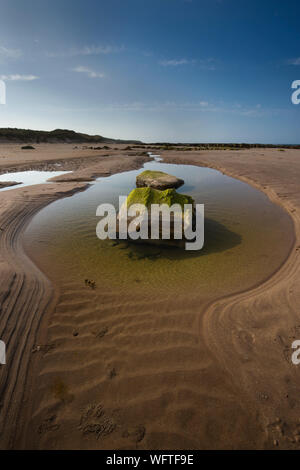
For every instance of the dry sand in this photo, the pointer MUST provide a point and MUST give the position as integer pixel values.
(168, 374)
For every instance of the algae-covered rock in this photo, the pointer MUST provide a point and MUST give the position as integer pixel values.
(158, 180)
(148, 196)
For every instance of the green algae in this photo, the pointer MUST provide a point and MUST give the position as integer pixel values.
(148, 196)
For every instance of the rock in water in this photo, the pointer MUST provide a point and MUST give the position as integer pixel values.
(148, 196)
(158, 180)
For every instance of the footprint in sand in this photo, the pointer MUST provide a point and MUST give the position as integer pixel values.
(243, 341)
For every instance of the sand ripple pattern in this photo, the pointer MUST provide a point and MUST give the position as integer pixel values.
(25, 296)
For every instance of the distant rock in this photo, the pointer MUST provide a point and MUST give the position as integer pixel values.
(27, 147)
(158, 180)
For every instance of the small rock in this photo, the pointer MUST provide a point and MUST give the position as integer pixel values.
(112, 373)
(157, 180)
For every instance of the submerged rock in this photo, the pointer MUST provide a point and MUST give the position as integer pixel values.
(158, 180)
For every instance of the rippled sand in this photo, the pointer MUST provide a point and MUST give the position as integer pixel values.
(128, 363)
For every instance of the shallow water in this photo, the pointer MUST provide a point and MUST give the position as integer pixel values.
(246, 239)
(29, 178)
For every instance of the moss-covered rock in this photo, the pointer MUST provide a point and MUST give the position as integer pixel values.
(148, 196)
(158, 180)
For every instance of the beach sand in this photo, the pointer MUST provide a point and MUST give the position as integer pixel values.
(88, 369)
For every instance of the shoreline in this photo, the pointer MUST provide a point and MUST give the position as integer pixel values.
(210, 320)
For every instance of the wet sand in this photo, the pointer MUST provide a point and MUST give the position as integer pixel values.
(27, 297)
(53, 156)
(212, 376)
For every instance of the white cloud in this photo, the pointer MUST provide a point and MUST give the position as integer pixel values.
(159, 106)
(87, 51)
(10, 53)
(175, 62)
(147, 53)
(200, 106)
(89, 72)
(294, 61)
(204, 64)
(17, 77)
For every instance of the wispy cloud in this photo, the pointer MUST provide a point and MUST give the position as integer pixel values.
(295, 61)
(89, 72)
(18, 77)
(204, 64)
(147, 53)
(87, 51)
(157, 106)
(200, 106)
(9, 53)
(176, 62)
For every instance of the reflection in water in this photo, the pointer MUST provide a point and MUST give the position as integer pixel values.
(218, 238)
(246, 238)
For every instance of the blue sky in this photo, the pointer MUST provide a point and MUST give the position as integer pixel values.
(155, 70)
